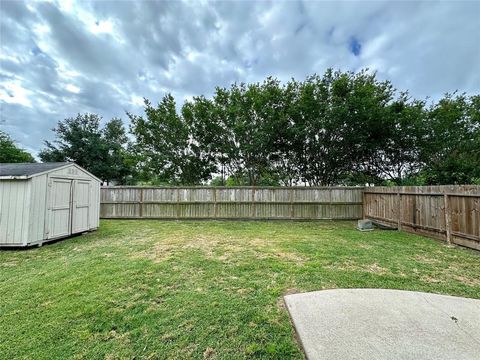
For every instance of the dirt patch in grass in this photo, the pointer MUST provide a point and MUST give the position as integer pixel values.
(281, 302)
(467, 281)
(374, 268)
(226, 250)
(209, 353)
(266, 249)
(452, 273)
(157, 253)
(431, 279)
(9, 264)
(289, 256)
(426, 260)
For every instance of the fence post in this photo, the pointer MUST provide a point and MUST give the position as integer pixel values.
(140, 205)
(253, 202)
(291, 190)
(399, 210)
(178, 203)
(214, 202)
(364, 204)
(329, 200)
(447, 219)
(414, 207)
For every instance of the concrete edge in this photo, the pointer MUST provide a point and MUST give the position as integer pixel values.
(388, 289)
(295, 331)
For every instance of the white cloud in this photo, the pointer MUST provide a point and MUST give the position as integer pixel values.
(136, 100)
(11, 92)
(72, 88)
(103, 26)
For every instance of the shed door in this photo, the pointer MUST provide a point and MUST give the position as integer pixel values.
(60, 204)
(81, 206)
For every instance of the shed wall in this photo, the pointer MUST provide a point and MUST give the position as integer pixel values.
(38, 208)
(95, 205)
(14, 214)
(71, 172)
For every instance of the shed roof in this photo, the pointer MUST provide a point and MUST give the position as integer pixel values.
(28, 169)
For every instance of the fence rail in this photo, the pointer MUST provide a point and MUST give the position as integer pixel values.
(450, 213)
(302, 203)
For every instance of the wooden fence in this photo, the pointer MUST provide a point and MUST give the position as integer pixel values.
(450, 213)
(302, 203)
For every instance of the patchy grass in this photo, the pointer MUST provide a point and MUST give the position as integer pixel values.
(205, 290)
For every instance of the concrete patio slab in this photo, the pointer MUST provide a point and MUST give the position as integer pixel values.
(385, 324)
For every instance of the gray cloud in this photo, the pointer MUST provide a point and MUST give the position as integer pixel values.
(57, 60)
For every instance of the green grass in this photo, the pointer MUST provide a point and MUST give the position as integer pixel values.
(156, 289)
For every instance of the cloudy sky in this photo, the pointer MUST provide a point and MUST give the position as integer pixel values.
(59, 58)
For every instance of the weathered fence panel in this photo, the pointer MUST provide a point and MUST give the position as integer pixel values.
(450, 213)
(302, 203)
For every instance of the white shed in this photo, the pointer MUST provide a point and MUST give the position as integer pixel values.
(40, 202)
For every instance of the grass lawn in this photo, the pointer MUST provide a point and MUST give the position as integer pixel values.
(204, 290)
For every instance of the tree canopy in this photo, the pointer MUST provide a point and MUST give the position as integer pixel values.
(100, 150)
(332, 129)
(10, 152)
(339, 128)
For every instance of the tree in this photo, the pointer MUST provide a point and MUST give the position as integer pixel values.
(247, 114)
(338, 124)
(451, 150)
(164, 145)
(102, 151)
(10, 152)
(287, 139)
(203, 120)
(239, 130)
(397, 155)
(118, 164)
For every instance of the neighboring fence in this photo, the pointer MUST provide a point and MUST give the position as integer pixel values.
(306, 203)
(450, 213)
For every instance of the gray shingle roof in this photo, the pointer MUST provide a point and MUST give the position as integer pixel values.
(28, 169)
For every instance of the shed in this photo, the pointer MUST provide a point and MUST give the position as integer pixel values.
(40, 202)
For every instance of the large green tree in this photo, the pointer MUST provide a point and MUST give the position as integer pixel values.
(164, 146)
(247, 115)
(337, 121)
(240, 130)
(100, 150)
(10, 152)
(396, 156)
(451, 148)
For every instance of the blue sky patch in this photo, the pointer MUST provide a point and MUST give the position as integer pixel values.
(250, 63)
(355, 46)
(300, 27)
(36, 50)
(330, 33)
